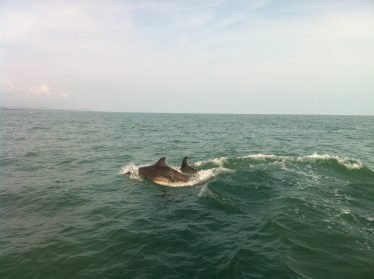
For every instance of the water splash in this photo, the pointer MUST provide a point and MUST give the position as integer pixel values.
(131, 170)
(216, 161)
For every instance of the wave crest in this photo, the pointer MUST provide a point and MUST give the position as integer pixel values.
(350, 164)
(216, 161)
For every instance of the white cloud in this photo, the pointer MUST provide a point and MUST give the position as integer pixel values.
(43, 91)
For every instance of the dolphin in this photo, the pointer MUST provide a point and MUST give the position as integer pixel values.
(161, 173)
(185, 168)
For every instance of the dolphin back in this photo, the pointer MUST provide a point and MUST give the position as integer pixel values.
(161, 172)
(161, 162)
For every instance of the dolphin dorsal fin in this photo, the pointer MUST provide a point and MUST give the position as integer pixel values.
(161, 162)
(184, 162)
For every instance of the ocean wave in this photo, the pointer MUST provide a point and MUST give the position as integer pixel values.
(216, 161)
(348, 163)
(31, 154)
(7, 161)
(212, 167)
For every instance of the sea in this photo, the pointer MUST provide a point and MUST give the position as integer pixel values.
(277, 196)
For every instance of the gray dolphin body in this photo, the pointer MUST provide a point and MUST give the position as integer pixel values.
(185, 168)
(161, 173)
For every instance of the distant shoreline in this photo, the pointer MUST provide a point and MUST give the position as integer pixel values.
(42, 108)
(202, 113)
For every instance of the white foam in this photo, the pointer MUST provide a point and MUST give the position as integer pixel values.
(206, 192)
(131, 170)
(203, 191)
(259, 156)
(346, 162)
(317, 156)
(310, 175)
(345, 211)
(216, 161)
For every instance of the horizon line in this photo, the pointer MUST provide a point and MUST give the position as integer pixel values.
(145, 112)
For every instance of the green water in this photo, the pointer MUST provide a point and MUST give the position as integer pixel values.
(287, 196)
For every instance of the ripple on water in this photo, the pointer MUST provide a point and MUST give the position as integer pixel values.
(298, 206)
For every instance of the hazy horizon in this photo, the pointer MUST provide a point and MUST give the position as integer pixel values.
(242, 57)
(31, 108)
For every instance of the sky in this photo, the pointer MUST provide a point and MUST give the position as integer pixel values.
(204, 56)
